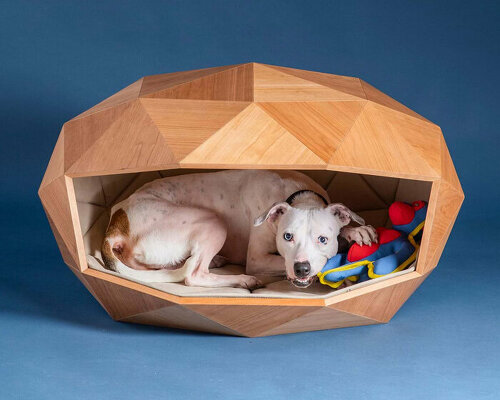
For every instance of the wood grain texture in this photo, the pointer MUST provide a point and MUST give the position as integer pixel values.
(321, 126)
(253, 138)
(271, 84)
(375, 95)
(374, 144)
(54, 197)
(253, 116)
(347, 88)
(55, 168)
(156, 83)
(448, 172)
(187, 124)
(180, 317)
(233, 84)
(122, 302)
(323, 318)
(80, 134)
(447, 205)
(132, 141)
(251, 320)
(125, 95)
(382, 304)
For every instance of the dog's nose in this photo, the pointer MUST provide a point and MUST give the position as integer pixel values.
(302, 269)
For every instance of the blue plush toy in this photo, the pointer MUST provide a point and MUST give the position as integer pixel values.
(396, 249)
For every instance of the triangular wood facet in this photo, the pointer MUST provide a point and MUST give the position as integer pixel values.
(271, 84)
(381, 304)
(375, 95)
(424, 138)
(156, 83)
(80, 134)
(55, 201)
(448, 204)
(321, 126)
(68, 258)
(375, 145)
(187, 124)
(253, 138)
(55, 168)
(180, 317)
(235, 84)
(122, 302)
(131, 143)
(323, 318)
(125, 95)
(251, 320)
(448, 172)
(349, 88)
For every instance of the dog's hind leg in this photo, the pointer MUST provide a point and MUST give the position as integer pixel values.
(206, 244)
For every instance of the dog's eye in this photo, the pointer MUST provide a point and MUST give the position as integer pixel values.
(323, 239)
(287, 236)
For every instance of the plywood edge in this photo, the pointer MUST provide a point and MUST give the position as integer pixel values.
(356, 292)
(75, 219)
(377, 172)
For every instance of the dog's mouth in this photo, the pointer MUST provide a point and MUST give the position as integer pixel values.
(302, 283)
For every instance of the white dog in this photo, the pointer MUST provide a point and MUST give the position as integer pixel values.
(185, 224)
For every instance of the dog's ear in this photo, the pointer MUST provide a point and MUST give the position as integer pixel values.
(344, 215)
(273, 214)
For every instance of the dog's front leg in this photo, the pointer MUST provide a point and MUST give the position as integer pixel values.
(261, 255)
(361, 234)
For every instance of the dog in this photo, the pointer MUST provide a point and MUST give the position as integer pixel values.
(278, 223)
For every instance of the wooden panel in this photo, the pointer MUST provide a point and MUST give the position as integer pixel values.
(69, 259)
(375, 144)
(181, 318)
(131, 142)
(321, 126)
(251, 320)
(127, 94)
(448, 172)
(324, 318)
(382, 304)
(447, 206)
(253, 139)
(346, 85)
(355, 192)
(55, 168)
(80, 134)
(377, 96)
(271, 84)
(235, 84)
(156, 83)
(55, 201)
(186, 124)
(122, 302)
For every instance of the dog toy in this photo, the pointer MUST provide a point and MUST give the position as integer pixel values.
(396, 249)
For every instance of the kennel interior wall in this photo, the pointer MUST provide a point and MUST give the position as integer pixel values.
(343, 131)
(370, 196)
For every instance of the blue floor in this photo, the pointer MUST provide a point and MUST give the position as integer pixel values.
(57, 342)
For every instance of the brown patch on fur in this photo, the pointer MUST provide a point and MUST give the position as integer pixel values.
(118, 226)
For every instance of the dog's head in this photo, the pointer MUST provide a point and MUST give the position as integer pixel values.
(307, 238)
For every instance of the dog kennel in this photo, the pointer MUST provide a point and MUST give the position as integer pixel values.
(363, 147)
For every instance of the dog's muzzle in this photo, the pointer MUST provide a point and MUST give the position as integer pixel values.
(302, 278)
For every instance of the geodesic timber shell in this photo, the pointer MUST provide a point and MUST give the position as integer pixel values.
(249, 116)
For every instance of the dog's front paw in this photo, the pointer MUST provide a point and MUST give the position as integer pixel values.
(361, 235)
(249, 282)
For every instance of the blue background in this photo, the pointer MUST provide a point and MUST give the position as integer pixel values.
(58, 58)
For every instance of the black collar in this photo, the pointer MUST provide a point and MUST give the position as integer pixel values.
(291, 198)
